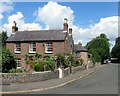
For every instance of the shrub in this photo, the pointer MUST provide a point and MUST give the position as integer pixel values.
(25, 70)
(77, 63)
(8, 60)
(50, 65)
(32, 59)
(15, 70)
(60, 60)
(71, 60)
(39, 66)
(46, 57)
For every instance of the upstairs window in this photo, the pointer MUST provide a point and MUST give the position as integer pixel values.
(18, 61)
(17, 48)
(32, 48)
(49, 47)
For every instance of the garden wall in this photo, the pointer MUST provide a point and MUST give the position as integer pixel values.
(66, 72)
(36, 76)
(78, 68)
(29, 77)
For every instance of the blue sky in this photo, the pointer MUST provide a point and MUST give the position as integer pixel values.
(85, 13)
(86, 18)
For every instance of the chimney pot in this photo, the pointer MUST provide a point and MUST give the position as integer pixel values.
(65, 24)
(14, 27)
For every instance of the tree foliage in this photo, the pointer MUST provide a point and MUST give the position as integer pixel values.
(116, 49)
(8, 60)
(4, 38)
(99, 48)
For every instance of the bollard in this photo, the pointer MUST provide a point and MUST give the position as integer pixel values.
(60, 72)
(86, 66)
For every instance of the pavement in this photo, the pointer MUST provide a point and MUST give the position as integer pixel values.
(19, 88)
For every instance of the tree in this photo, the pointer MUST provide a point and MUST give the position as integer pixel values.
(116, 49)
(4, 38)
(99, 48)
(8, 60)
(95, 56)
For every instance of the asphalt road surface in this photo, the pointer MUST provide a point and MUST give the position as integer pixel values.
(103, 81)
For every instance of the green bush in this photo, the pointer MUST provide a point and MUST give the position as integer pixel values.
(25, 70)
(15, 70)
(39, 66)
(70, 60)
(50, 65)
(60, 60)
(8, 60)
(78, 62)
(46, 57)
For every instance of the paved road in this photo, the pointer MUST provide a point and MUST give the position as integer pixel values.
(103, 81)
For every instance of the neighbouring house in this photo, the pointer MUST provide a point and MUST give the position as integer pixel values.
(52, 42)
(81, 52)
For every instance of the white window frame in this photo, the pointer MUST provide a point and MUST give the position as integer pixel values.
(17, 48)
(32, 46)
(48, 46)
(18, 62)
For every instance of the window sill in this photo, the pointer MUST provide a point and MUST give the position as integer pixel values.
(18, 52)
(32, 51)
(18, 67)
(49, 52)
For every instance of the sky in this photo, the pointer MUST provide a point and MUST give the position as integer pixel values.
(87, 19)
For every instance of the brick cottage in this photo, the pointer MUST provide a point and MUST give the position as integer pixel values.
(52, 42)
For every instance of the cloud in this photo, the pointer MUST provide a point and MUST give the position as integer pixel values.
(5, 6)
(19, 18)
(108, 26)
(53, 14)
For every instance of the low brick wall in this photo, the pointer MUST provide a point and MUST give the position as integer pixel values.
(29, 77)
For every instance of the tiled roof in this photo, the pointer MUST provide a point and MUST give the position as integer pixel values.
(79, 47)
(43, 35)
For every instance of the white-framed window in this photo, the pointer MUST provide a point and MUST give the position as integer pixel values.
(32, 47)
(49, 47)
(17, 48)
(18, 62)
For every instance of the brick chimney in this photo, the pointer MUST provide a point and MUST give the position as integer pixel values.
(70, 31)
(65, 25)
(14, 27)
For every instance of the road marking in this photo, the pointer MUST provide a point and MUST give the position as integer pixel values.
(52, 87)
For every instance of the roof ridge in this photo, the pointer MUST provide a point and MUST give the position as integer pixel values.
(40, 30)
(39, 36)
